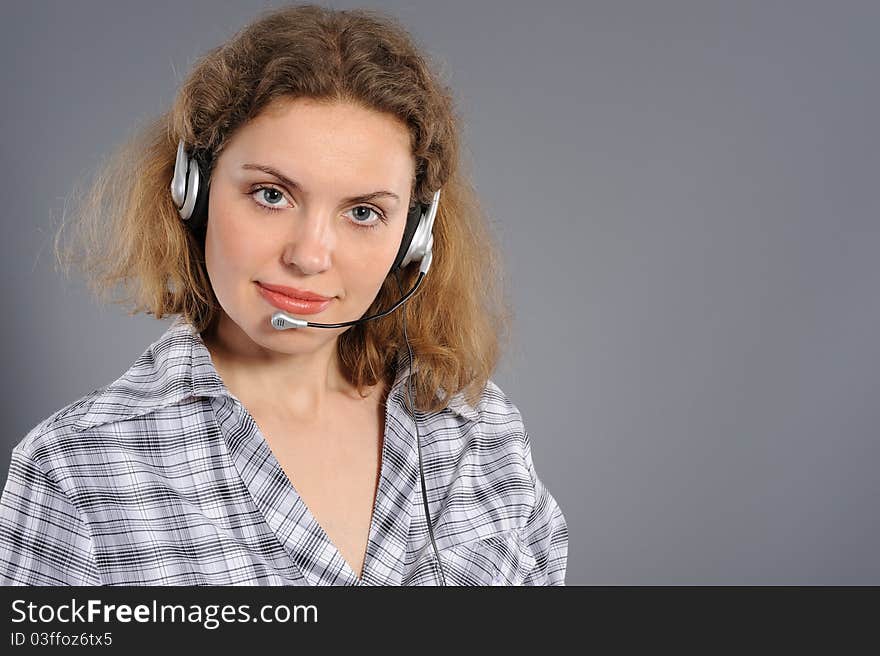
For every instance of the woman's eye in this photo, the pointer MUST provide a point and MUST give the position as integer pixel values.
(362, 216)
(270, 195)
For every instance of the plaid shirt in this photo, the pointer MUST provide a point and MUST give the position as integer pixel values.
(163, 478)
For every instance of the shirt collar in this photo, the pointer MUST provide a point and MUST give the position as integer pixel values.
(178, 366)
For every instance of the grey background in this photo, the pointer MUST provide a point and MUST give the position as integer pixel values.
(686, 195)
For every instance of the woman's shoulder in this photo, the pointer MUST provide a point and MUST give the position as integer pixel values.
(56, 435)
(160, 376)
(60, 422)
(494, 410)
(496, 405)
(490, 431)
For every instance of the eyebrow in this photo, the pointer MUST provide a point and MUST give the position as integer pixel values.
(293, 185)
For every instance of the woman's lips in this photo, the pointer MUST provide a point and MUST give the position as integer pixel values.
(294, 305)
(294, 292)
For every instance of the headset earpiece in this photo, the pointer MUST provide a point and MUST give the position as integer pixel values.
(189, 189)
(418, 237)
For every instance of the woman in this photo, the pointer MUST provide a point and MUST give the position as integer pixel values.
(314, 175)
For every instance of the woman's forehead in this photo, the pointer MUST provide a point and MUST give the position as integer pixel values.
(342, 141)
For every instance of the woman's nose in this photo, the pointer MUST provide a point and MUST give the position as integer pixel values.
(310, 245)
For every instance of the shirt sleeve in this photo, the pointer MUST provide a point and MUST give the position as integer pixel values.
(545, 532)
(43, 540)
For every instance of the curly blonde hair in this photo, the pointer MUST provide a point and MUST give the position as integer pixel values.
(128, 234)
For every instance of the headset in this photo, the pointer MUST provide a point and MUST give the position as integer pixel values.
(189, 190)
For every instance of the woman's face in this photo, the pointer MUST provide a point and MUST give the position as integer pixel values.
(306, 232)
